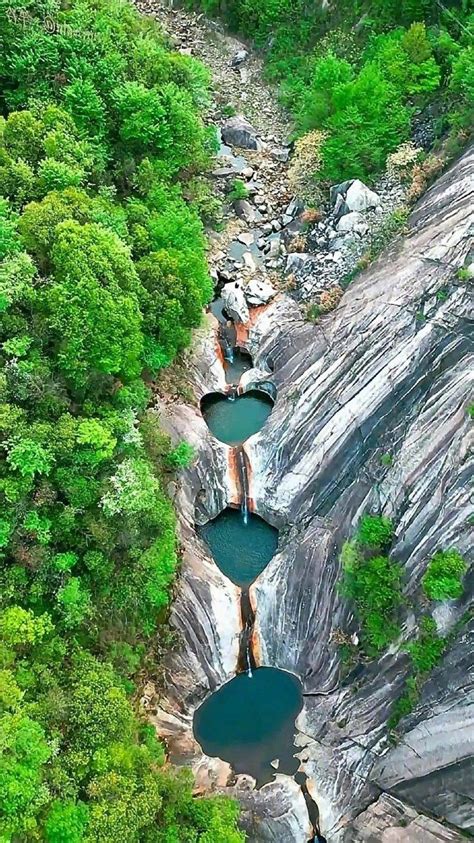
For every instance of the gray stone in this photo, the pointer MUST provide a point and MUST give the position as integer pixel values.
(246, 211)
(281, 154)
(246, 237)
(359, 197)
(239, 57)
(295, 207)
(237, 131)
(295, 261)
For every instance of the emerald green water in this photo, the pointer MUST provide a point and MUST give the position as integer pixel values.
(250, 721)
(233, 420)
(241, 550)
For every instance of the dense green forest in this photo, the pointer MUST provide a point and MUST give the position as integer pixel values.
(355, 72)
(103, 276)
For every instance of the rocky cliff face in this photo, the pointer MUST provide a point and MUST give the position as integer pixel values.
(390, 371)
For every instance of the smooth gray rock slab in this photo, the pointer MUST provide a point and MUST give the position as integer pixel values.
(390, 821)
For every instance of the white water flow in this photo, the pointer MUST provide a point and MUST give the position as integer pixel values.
(249, 667)
(244, 506)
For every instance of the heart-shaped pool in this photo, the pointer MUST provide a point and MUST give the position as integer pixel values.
(241, 548)
(250, 722)
(233, 418)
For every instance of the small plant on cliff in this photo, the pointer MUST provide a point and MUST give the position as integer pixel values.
(425, 653)
(444, 574)
(373, 582)
(375, 531)
(181, 456)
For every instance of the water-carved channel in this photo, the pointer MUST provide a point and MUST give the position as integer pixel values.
(250, 720)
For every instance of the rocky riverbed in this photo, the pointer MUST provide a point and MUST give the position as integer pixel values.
(389, 371)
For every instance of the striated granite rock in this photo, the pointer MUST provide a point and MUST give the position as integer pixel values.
(277, 812)
(390, 821)
(433, 765)
(389, 371)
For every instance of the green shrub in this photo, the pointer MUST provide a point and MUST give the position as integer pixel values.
(238, 190)
(427, 650)
(181, 456)
(405, 703)
(373, 582)
(444, 574)
(375, 531)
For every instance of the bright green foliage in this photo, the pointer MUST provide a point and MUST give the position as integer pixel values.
(425, 653)
(427, 650)
(238, 190)
(373, 582)
(103, 275)
(181, 456)
(375, 531)
(443, 577)
(66, 821)
(79, 766)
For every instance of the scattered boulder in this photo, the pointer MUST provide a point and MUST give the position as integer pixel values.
(246, 237)
(352, 195)
(280, 154)
(349, 221)
(237, 131)
(239, 57)
(295, 261)
(234, 302)
(246, 211)
(259, 292)
(249, 261)
(295, 207)
(273, 246)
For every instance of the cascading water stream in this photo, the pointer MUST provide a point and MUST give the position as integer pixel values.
(248, 723)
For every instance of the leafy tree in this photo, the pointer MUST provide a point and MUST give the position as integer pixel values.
(93, 307)
(373, 582)
(181, 456)
(66, 821)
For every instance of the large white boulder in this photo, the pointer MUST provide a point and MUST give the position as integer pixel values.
(259, 292)
(349, 221)
(359, 197)
(234, 302)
